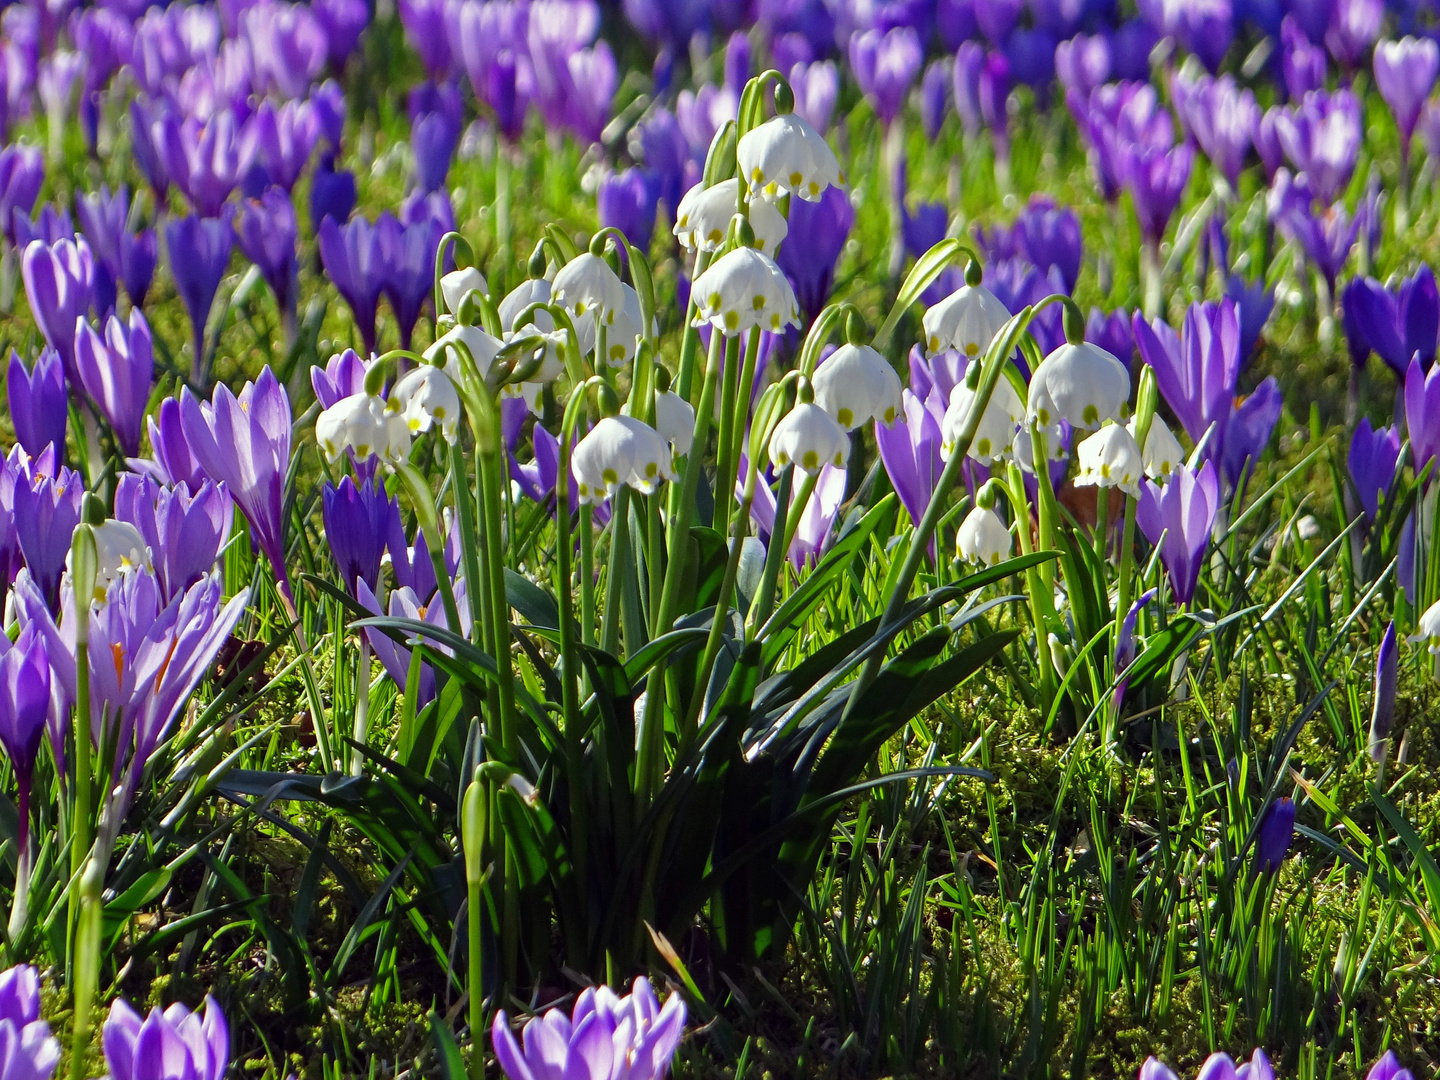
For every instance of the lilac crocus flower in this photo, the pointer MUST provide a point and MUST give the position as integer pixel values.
(818, 232)
(1083, 62)
(1422, 412)
(267, 233)
(342, 376)
(969, 64)
(910, 449)
(1048, 236)
(343, 22)
(51, 224)
(1397, 324)
(1382, 715)
(997, 18)
(59, 281)
(1113, 333)
(934, 97)
(1124, 654)
(406, 603)
(1405, 73)
(1302, 65)
(283, 139)
(199, 250)
(1371, 463)
(37, 402)
(47, 509)
(885, 66)
(174, 1043)
(288, 45)
(205, 161)
(117, 372)
(1321, 137)
(1274, 835)
(22, 171)
(1156, 179)
(244, 443)
(1206, 28)
(1327, 236)
(812, 535)
(605, 1035)
(407, 256)
(33, 1052)
(1183, 513)
(424, 23)
(628, 201)
(1354, 26)
(1197, 369)
(1031, 55)
(1389, 1068)
(921, 231)
(358, 521)
(1254, 300)
(24, 706)
(185, 532)
(1247, 432)
(332, 194)
(1221, 117)
(354, 262)
(435, 121)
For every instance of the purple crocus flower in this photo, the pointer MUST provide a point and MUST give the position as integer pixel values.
(435, 121)
(1130, 46)
(1031, 55)
(1221, 118)
(1247, 432)
(1354, 26)
(969, 65)
(812, 535)
(332, 194)
(1116, 120)
(424, 23)
(37, 402)
(605, 1034)
(343, 21)
(103, 220)
(199, 250)
(354, 262)
(47, 509)
(1422, 412)
(1049, 236)
(1178, 517)
(282, 140)
(1397, 324)
(117, 372)
(1206, 28)
(941, 372)
(267, 233)
(1254, 300)
(145, 119)
(22, 171)
(1156, 180)
(955, 19)
(1389, 1068)
(185, 532)
(173, 462)
(244, 443)
(1327, 236)
(1083, 62)
(1321, 137)
(997, 18)
(628, 201)
(407, 256)
(1302, 65)
(342, 376)
(1382, 715)
(1125, 646)
(1112, 333)
(33, 1052)
(934, 97)
(1371, 462)
(506, 96)
(406, 603)
(51, 224)
(176, 1042)
(910, 449)
(1274, 835)
(594, 75)
(205, 161)
(358, 520)
(1405, 73)
(1267, 142)
(288, 45)
(24, 706)
(921, 231)
(818, 232)
(59, 285)
(139, 253)
(885, 66)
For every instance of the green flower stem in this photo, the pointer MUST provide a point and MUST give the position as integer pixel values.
(797, 512)
(742, 410)
(84, 567)
(764, 602)
(690, 342)
(729, 421)
(429, 519)
(1146, 401)
(571, 665)
(87, 957)
(1015, 491)
(473, 828)
(615, 576)
(361, 730)
(587, 575)
(469, 552)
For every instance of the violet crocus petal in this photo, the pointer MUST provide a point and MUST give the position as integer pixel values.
(1422, 412)
(1249, 428)
(37, 402)
(507, 1050)
(1388, 1068)
(1217, 1066)
(818, 233)
(1273, 837)
(1371, 463)
(119, 1035)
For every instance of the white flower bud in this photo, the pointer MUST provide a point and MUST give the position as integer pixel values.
(786, 155)
(620, 450)
(587, 284)
(1110, 458)
(809, 437)
(855, 384)
(983, 538)
(675, 421)
(743, 289)
(362, 425)
(1081, 383)
(967, 320)
(426, 396)
(1162, 452)
(458, 284)
(997, 426)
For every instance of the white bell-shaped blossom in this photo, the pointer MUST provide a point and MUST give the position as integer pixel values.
(620, 450)
(856, 385)
(553, 364)
(967, 320)
(744, 288)
(785, 155)
(362, 425)
(426, 396)
(481, 346)
(530, 291)
(983, 538)
(1022, 447)
(1162, 451)
(675, 421)
(587, 285)
(458, 284)
(1081, 383)
(1110, 458)
(809, 437)
(119, 549)
(997, 426)
(704, 217)
(1429, 629)
(623, 335)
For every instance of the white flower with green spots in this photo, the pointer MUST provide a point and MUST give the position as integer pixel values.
(997, 426)
(620, 450)
(1081, 383)
(362, 425)
(810, 438)
(1110, 458)
(785, 155)
(967, 320)
(744, 288)
(856, 385)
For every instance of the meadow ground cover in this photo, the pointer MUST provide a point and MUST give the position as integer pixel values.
(737, 538)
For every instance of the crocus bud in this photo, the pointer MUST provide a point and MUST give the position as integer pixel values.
(1383, 714)
(1273, 838)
